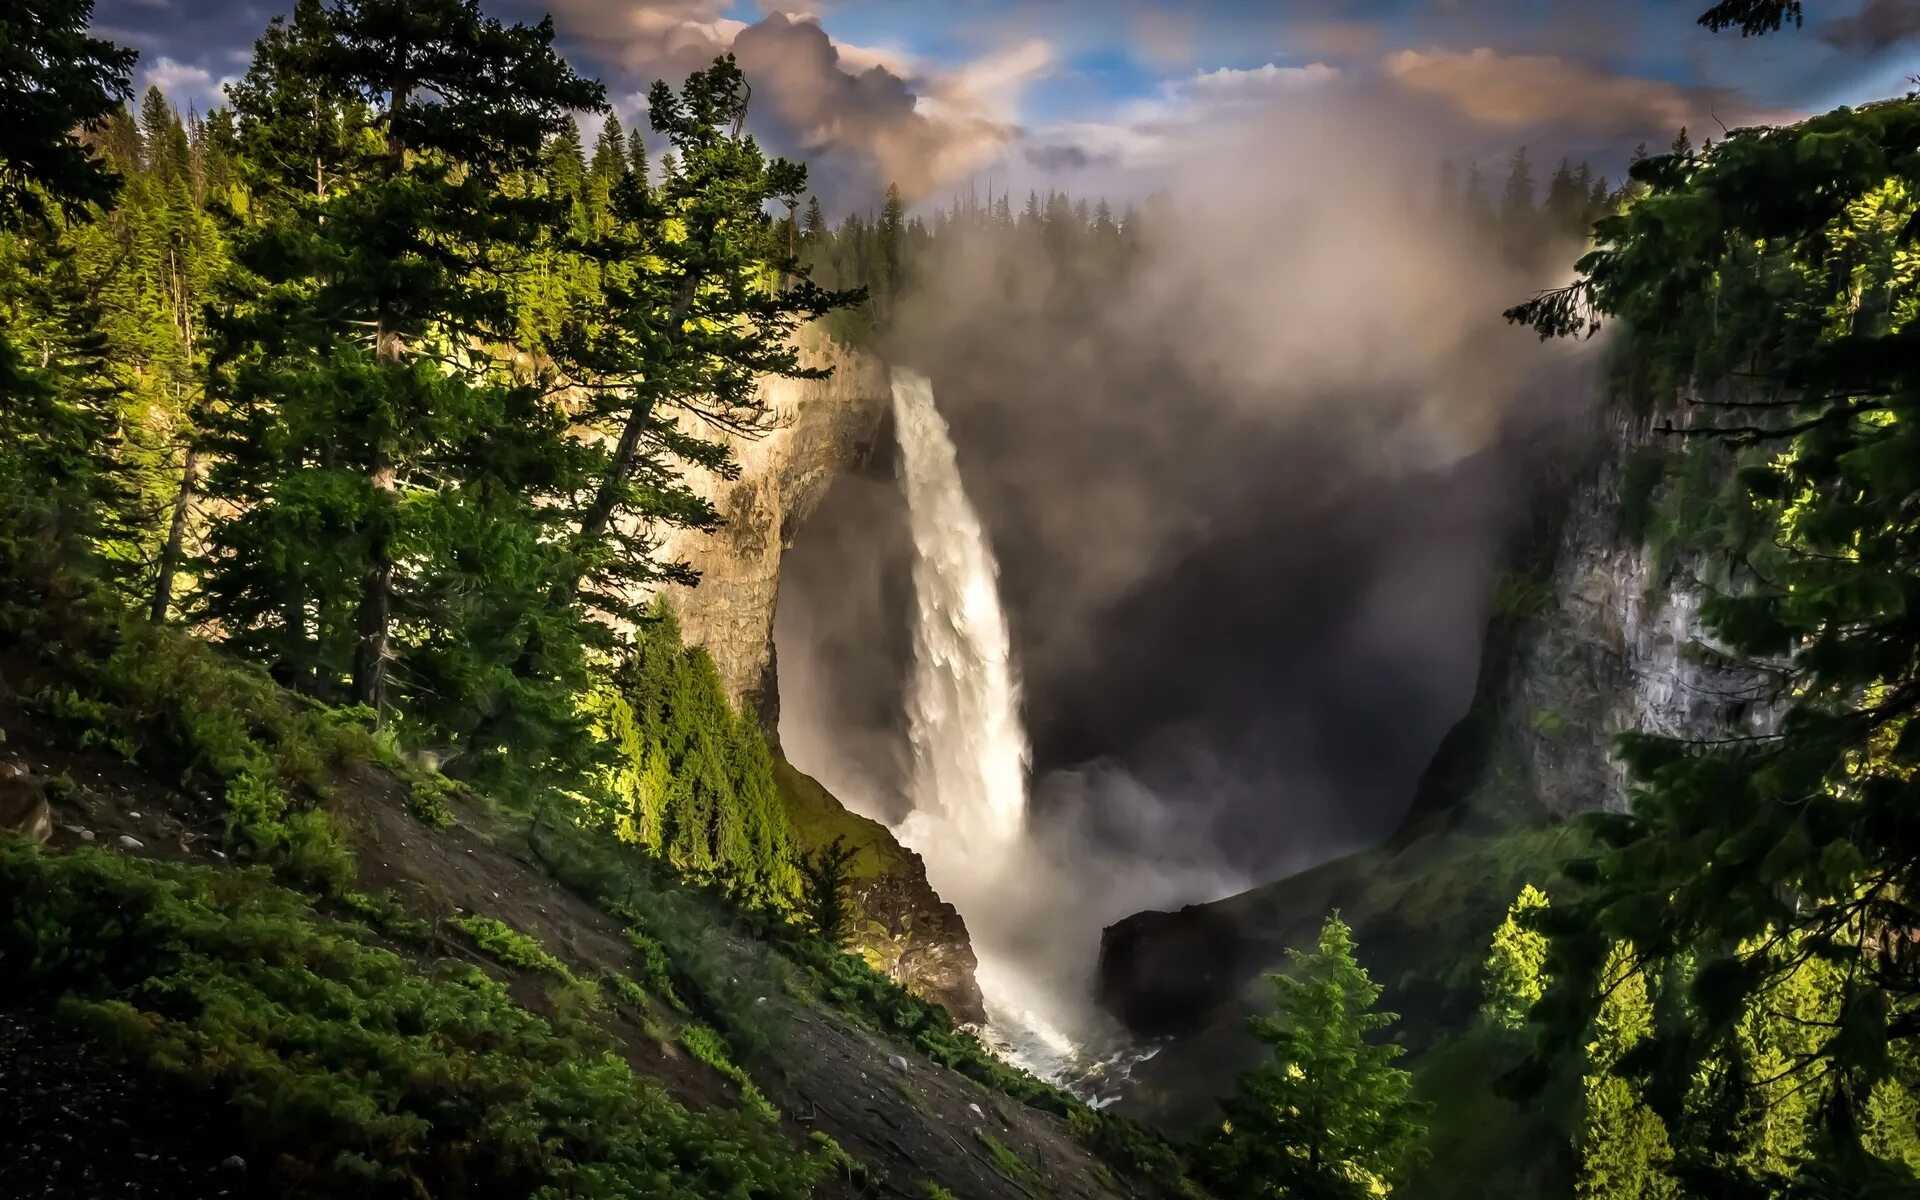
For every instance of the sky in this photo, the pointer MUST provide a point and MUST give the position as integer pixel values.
(1099, 95)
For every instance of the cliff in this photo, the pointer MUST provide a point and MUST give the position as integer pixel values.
(817, 430)
(1595, 630)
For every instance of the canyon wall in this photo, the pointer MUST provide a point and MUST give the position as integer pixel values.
(817, 430)
(1595, 631)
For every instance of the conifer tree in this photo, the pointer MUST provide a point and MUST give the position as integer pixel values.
(1624, 1150)
(637, 150)
(1516, 965)
(688, 337)
(1331, 1117)
(610, 150)
(58, 409)
(1770, 263)
(384, 471)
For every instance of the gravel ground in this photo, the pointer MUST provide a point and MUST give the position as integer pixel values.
(75, 1125)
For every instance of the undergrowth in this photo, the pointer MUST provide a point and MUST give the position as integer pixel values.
(710, 1048)
(724, 984)
(365, 1075)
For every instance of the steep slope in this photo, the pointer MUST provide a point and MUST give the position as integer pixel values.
(1595, 631)
(439, 987)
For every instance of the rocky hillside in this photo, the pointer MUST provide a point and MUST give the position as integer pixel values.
(1595, 632)
(221, 908)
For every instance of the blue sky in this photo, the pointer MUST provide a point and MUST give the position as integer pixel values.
(998, 86)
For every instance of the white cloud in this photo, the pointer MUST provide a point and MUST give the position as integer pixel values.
(1260, 81)
(183, 83)
(863, 116)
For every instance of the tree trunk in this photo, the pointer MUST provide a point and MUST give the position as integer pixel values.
(374, 621)
(372, 626)
(176, 538)
(599, 515)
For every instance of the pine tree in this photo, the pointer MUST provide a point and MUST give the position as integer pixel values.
(1331, 1117)
(379, 466)
(648, 370)
(1516, 965)
(58, 408)
(1624, 1150)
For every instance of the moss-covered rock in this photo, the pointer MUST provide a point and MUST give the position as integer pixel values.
(901, 926)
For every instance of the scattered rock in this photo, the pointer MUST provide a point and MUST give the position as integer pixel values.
(897, 1061)
(131, 843)
(134, 815)
(233, 1162)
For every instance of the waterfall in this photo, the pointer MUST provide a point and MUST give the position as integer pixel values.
(969, 777)
(968, 783)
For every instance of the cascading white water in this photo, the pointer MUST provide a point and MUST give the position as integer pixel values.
(969, 781)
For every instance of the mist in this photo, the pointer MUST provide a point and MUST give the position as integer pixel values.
(1247, 496)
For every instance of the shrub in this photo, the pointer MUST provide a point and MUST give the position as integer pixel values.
(364, 1075)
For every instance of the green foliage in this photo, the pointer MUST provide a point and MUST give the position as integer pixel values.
(1773, 270)
(427, 798)
(707, 1046)
(1330, 1116)
(510, 947)
(693, 781)
(361, 1075)
(839, 1161)
(190, 714)
(1516, 965)
(55, 81)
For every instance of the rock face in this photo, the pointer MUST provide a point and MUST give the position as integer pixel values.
(900, 925)
(1596, 634)
(1618, 646)
(819, 429)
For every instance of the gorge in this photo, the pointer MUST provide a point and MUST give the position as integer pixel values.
(593, 608)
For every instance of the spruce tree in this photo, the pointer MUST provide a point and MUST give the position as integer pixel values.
(391, 483)
(1330, 1117)
(58, 404)
(1516, 965)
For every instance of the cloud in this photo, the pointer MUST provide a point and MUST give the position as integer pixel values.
(1065, 157)
(1879, 25)
(183, 83)
(862, 116)
(1260, 81)
(1519, 91)
(1149, 132)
